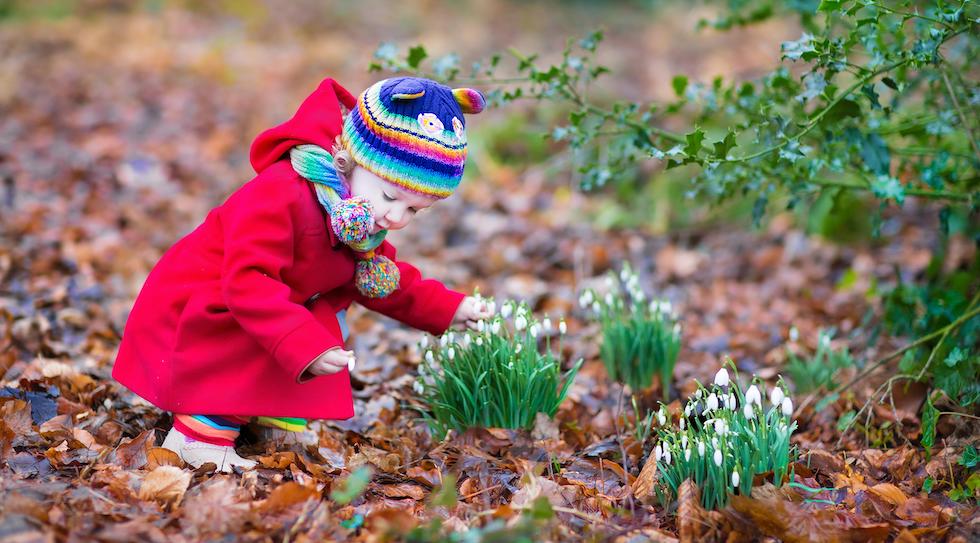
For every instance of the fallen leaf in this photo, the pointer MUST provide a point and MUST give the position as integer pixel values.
(165, 485)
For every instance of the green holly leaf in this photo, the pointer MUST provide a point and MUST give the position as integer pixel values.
(970, 457)
(680, 84)
(830, 6)
(955, 356)
(724, 146)
(887, 187)
(352, 487)
(694, 142)
(416, 55)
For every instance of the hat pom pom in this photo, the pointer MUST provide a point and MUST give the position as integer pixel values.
(352, 219)
(377, 277)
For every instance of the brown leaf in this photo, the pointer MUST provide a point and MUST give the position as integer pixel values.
(690, 515)
(403, 490)
(922, 511)
(165, 485)
(890, 493)
(158, 456)
(286, 495)
(132, 454)
(776, 517)
(644, 484)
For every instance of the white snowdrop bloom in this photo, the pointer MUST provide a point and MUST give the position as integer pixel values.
(517, 350)
(451, 353)
(698, 393)
(718, 457)
(624, 274)
(466, 340)
(444, 340)
(424, 343)
(639, 296)
(721, 427)
(700, 448)
(688, 409)
(596, 308)
(662, 416)
(506, 310)
(684, 441)
(666, 308)
(520, 323)
(479, 341)
(492, 307)
(711, 403)
(667, 456)
(535, 330)
(653, 306)
(683, 423)
(657, 453)
(687, 455)
(677, 329)
(429, 357)
(495, 328)
(452, 336)
(788, 407)
(731, 402)
(721, 378)
(794, 334)
(610, 282)
(609, 299)
(714, 442)
(748, 411)
(418, 388)
(776, 396)
(735, 479)
(824, 340)
(753, 396)
(562, 327)
(546, 325)
(481, 326)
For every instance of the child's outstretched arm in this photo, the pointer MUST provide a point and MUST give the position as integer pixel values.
(259, 229)
(425, 304)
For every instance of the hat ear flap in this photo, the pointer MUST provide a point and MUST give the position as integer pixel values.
(407, 89)
(469, 100)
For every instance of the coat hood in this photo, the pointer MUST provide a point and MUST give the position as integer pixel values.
(319, 120)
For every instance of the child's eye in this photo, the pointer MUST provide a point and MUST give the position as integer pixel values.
(388, 197)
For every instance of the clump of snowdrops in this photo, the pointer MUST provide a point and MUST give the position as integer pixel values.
(724, 439)
(496, 376)
(640, 336)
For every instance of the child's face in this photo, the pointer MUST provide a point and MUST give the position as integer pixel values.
(394, 207)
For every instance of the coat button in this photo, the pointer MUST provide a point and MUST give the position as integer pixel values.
(312, 299)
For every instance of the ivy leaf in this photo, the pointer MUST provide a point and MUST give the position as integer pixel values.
(352, 486)
(929, 417)
(970, 457)
(416, 55)
(722, 147)
(887, 187)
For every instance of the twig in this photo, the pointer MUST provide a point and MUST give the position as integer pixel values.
(958, 414)
(935, 349)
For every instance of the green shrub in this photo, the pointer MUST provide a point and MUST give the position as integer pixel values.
(493, 377)
(723, 440)
(640, 338)
(817, 371)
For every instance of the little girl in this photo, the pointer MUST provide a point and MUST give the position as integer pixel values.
(243, 319)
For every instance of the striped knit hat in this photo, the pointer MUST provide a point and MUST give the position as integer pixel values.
(411, 132)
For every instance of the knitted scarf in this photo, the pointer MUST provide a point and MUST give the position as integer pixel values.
(351, 217)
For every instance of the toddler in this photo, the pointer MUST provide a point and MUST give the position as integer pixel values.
(243, 321)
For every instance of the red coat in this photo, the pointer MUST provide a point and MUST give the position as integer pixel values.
(222, 325)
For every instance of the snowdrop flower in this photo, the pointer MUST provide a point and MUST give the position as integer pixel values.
(506, 310)
(687, 455)
(444, 340)
(721, 378)
(662, 416)
(517, 350)
(425, 342)
(677, 329)
(735, 479)
(639, 296)
(684, 441)
(466, 340)
(687, 409)
(495, 328)
(718, 457)
(657, 452)
(596, 308)
(562, 327)
(520, 323)
(585, 299)
(788, 407)
(535, 329)
(753, 396)
(776, 396)
(653, 306)
(700, 448)
(731, 402)
(451, 353)
(721, 427)
(481, 326)
(666, 307)
(479, 341)
(609, 298)
(546, 324)
(748, 411)
(417, 387)
(610, 283)
(667, 456)
(794, 334)
(624, 274)
(712, 403)
(492, 307)
(452, 336)
(429, 357)
(824, 340)
(682, 424)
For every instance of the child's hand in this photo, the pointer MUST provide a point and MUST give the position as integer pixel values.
(470, 311)
(331, 362)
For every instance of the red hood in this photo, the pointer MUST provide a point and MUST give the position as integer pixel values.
(318, 120)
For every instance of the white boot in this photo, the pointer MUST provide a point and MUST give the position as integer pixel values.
(197, 453)
(285, 438)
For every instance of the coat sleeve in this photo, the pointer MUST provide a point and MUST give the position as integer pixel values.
(425, 304)
(259, 229)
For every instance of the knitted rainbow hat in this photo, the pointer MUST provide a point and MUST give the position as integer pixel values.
(411, 132)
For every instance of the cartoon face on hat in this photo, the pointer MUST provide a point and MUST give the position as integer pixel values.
(412, 133)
